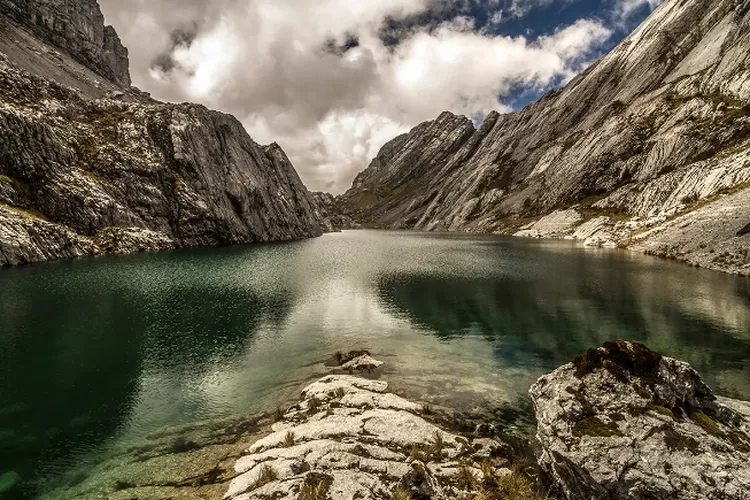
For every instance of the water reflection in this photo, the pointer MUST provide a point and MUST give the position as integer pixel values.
(96, 354)
(580, 302)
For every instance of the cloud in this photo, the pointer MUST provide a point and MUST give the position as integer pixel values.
(625, 9)
(327, 79)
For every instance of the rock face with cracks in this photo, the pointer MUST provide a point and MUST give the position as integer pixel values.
(349, 439)
(90, 165)
(656, 130)
(622, 422)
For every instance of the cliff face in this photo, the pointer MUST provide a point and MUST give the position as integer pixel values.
(78, 28)
(656, 129)
(329, 210)
(81, 175)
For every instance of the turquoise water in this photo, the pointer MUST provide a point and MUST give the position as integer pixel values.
(95, 353)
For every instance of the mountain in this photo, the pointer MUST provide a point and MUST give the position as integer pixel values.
(330, 213)
(649, 149)
(90, 165)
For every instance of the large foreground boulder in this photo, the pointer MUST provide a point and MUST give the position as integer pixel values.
(623, 422)
(349, 439)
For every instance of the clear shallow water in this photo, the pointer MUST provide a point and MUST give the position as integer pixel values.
(97, 353)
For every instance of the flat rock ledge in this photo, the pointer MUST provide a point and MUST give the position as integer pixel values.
(349, 439)
(623, 422)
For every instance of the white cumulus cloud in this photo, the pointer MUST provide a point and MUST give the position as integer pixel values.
(318, 77)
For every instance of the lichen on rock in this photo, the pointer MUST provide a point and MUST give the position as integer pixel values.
(622, 421)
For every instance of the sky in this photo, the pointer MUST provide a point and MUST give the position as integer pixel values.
(331, 81)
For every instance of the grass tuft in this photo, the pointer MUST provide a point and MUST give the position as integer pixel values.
(315, 487)
(313, 405)
(289, 439)
(465, 478)
(400, 494)
(267, 475)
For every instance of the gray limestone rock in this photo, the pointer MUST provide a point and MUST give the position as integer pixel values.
(353, 440)
(332, 216)
(624, 422)
(77, 28)
(87, 167)
(658, 127)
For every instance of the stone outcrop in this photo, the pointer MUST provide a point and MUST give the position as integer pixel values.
(622, 421)
(85, 170)
(331, 214)
(657, 129)
(78, 28)
(350, 439)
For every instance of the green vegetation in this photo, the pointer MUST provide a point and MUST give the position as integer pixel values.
(278, 415)
(25, 212)
(437, 445)
(315, 487)
(465, 477)
(518, 485)
(313, 405)
(419, 454)
(677, 442)
(594, 426)
(266, 475)
(400, 493)
(621, 359)
(707, 424)
(661, 410)
(289, 439)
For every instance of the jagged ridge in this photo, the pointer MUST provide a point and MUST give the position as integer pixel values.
(658, 127)
(83, 176)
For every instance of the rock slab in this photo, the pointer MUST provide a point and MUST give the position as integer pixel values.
(349, 439)
(623, 422)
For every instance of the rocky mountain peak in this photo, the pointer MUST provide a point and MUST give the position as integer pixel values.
(656, 130)
(76, 27)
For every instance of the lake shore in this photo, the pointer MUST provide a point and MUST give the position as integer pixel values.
(348, 437)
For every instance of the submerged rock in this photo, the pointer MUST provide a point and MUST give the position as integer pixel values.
(622, 421)
(349, 439)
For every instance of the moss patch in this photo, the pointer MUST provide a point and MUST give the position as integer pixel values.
(25, 212)
(594, 426)
(707, 423)
(661, 410)
(622, 359)
(677, 442)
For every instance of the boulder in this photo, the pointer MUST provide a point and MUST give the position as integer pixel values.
(349, 439)
(622, 421)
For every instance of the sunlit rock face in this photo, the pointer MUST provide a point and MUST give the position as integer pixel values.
(656, 129)
(622, 421)
(88, 166)
(349, 439)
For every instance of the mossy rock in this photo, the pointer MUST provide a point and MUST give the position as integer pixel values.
(622, 359)
(595, 427)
